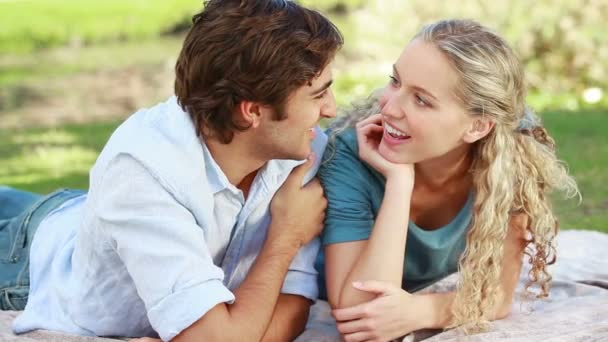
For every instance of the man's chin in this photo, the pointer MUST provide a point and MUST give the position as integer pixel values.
(295, 156)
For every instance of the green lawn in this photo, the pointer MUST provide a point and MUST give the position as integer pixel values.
(38, 24)
(583, 144)
(42, 160)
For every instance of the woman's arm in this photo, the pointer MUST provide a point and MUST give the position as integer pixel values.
(379, 258)
(396, 313)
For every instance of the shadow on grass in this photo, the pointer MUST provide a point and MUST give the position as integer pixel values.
(44, 159)
(76, 180)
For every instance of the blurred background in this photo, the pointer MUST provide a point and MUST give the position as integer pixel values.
(71, 71)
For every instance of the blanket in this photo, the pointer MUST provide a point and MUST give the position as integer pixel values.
(576, 310)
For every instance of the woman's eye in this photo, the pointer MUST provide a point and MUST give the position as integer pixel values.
(394, 81)
(420, 101)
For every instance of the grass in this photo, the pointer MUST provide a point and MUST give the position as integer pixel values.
(583, 144)
(42, 160)
(17, 70)
(38, 24)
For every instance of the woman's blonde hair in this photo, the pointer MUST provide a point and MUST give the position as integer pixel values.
(514, 167)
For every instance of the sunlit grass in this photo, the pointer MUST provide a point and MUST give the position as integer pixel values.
(37, 24)
(42, 160)
(18, 70)
(583, 144)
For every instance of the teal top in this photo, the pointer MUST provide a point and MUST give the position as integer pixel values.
(354, 191)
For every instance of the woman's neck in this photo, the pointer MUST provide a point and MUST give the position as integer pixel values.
(445, 171)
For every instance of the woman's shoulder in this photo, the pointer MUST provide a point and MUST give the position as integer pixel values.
(345, 139)
(342, 150)
(341, 161)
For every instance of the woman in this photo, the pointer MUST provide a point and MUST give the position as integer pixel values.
(453, 173)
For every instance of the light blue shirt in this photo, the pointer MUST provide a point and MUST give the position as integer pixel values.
(160, 239)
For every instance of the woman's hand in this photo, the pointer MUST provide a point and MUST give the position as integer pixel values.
(369, 135)
(393, 314)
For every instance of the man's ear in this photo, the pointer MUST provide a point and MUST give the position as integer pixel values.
(479, 128)
(250, 113)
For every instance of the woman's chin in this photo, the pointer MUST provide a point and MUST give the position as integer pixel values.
(392, 156)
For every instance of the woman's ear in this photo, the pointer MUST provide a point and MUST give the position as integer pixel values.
(479, 128)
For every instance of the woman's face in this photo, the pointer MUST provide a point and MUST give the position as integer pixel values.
(422, 117)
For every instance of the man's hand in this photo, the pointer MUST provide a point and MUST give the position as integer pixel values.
(298, 211)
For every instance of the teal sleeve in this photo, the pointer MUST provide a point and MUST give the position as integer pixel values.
(345, 180)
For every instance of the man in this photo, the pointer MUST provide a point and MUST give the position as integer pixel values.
(196, 224)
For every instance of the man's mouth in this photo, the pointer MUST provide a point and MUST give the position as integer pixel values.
(312, 132)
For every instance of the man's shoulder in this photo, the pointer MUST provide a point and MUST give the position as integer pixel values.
(161, 139)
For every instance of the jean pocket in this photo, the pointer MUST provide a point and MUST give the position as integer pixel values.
(12, 238)
(18, 232)
(14, 298)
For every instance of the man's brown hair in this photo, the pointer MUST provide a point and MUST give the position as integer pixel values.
(253, 50)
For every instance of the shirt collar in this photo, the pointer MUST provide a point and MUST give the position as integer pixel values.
(216, 177)
(273, 173)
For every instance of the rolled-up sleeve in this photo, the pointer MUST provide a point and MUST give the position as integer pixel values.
(301, 279)
(162, 247)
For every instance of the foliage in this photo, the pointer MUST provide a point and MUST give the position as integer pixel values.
(561, 42)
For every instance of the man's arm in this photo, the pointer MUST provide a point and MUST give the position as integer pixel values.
(249, 317)
(289, 318)
(297, 217)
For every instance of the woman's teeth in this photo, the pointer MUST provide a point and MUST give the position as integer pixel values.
(395, 133)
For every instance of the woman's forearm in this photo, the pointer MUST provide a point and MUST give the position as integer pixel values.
(383, 256)
(434, 309)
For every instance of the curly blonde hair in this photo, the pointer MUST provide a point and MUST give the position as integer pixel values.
(514, 167)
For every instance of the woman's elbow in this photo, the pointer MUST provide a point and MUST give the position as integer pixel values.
(504, 310)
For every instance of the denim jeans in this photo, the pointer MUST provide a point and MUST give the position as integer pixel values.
(20, 214)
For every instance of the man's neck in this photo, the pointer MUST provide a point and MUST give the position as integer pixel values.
(236, 161)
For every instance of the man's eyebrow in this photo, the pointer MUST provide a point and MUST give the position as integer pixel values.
(322, 88)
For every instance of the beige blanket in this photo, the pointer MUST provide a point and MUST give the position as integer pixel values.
(577, 309)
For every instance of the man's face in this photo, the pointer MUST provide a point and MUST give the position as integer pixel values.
(290, 138)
